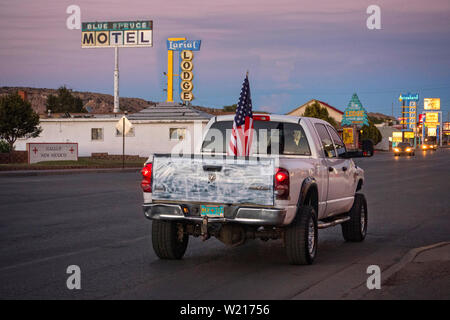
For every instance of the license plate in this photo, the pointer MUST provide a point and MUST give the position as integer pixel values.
(212, 211)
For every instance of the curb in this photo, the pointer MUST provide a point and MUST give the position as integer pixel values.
(360, 291)
(409, 257)
(29, 173)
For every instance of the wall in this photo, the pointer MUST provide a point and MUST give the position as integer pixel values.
(386, 133)
(15, 157)
(150, 136)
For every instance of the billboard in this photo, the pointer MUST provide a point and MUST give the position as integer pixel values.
(432, 103)
(432, 117)
(409, 135)
(421, 117)
(432, 132)
(397, 136)
(38, 152)
(117, 34)
(180, 45)
(186, 75)
(409, 97)
(355, 114)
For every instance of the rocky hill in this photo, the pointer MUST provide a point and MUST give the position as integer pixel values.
(380, 116)
(97, 102)
(103, 103)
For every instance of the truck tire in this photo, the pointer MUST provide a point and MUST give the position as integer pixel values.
(355, 229)
(301, 237)
(166, 243)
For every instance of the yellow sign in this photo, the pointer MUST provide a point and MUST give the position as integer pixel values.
(432, 103)
(397, 137)
(431, 124)
(170, 71)
(348, 135)
(187, 96)
(432, 117)
(409, 135)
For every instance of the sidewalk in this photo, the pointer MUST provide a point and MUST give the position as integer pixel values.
(424, 273)
(26, 173)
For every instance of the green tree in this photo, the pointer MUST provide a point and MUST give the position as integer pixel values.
(231, 108)
(371, 132)
(314, 110)
(17, 119)
(4, 147)
(64, 101)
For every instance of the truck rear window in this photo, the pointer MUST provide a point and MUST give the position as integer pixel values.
(269, 137)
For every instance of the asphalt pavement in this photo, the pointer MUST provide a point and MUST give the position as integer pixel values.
(95, 221)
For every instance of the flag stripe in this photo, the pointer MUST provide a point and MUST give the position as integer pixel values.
(242, 135)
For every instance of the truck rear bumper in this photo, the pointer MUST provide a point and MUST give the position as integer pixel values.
(244, 215)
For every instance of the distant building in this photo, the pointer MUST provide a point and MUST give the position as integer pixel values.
(335, 113)
(156, 129)
(23, 94)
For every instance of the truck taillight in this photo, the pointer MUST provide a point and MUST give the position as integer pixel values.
(281, 184)
(146, 183)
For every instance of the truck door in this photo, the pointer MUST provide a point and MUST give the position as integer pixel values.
(337, 199)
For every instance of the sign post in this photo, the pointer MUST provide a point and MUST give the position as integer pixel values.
(116, 80)
(409, 112)
(185, 47)
(124, 126)
(433, 118)
(117, 34)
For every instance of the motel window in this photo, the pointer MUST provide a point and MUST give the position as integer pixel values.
(177, 134)
(96, 134)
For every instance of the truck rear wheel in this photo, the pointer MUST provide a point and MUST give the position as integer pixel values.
(167, 241)
(301, 237)
(355, 229)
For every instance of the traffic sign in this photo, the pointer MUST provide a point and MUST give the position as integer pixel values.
(122, 124)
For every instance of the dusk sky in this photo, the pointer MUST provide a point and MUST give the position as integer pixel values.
(295, 50)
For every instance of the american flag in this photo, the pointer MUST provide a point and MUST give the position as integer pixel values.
(242, 134)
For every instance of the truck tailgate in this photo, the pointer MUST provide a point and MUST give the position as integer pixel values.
(213, 180)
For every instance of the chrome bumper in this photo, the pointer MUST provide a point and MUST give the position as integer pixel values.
(245, 215)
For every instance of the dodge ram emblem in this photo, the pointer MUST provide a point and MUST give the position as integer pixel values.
(211, 177)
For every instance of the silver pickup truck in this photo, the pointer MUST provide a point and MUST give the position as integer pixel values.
(298, 179)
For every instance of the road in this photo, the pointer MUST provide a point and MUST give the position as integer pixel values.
(95, 221)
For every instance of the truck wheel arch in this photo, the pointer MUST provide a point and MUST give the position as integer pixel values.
(360, 184)
(309, 194)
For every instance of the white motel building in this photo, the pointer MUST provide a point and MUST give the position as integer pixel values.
(156, 129)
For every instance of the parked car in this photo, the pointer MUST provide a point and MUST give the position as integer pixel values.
(298, 179)
(404, 148)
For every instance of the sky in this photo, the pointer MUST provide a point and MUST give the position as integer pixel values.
(294, 50)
